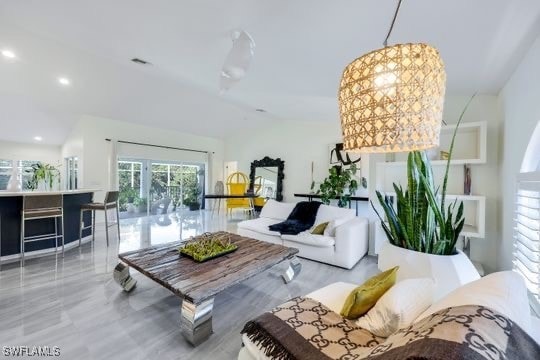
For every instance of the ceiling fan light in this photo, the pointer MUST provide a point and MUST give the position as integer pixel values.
(391, 99)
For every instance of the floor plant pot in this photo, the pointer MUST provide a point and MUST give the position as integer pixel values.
(448, 271)
(194, 206)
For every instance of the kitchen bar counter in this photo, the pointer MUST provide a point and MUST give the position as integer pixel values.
(10, 214)
(63, 192)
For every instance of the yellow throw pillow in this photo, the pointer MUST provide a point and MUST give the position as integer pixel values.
(364, 297)
(319, 229)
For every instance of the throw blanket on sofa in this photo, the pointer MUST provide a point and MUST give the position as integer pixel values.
(305, 329)
(300, 219)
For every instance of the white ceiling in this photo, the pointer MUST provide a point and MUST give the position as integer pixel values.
(302, 47)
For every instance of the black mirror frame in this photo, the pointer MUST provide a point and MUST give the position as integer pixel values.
(268, 162)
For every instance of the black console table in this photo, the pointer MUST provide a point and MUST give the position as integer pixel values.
(356, 199)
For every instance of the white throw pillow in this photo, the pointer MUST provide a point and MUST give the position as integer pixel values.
(328, 213)
(504, 292)
(332, 225)
(398, 307)
(276, 210)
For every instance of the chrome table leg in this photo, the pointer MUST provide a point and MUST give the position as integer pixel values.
(196, 321)
(292, 271)
(122, 277)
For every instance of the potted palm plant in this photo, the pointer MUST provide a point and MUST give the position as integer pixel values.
(423, 229)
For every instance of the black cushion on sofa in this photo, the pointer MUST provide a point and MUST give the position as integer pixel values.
(300, 219)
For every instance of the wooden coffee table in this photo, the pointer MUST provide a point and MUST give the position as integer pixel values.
(198, 283)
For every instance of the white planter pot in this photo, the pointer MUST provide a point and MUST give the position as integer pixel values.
(448, 271)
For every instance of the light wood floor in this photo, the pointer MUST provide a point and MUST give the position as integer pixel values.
(73, 303)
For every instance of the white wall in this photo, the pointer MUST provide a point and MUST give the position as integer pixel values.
(97, 152)
(519, 101)
(50, 154)
(297, 143)
(300, 143)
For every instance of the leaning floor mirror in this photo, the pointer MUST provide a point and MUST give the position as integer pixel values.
(266, 180)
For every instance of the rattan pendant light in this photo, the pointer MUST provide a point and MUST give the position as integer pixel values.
(391, 99)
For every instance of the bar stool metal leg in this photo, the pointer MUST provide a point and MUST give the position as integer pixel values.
(107, 227)
(81, 225)
(93, 225)
(55, 235)
(118, 223)
(22, 240)
(63, 242)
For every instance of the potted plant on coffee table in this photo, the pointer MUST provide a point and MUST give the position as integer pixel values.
(423, 229)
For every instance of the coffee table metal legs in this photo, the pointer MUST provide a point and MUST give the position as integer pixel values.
(122, 277)
(196, 321)
(292, 271)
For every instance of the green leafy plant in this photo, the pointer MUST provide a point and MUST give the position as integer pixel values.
(141, 203)
(192, 195)
(127, 195)
(421, 221)
(45, 173)
(340, 184)
(208, 246)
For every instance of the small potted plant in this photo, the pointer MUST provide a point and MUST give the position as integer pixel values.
(44, 177)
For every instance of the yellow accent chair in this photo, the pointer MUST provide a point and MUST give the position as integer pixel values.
(238, 184)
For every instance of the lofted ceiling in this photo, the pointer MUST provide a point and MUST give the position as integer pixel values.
(301, 48)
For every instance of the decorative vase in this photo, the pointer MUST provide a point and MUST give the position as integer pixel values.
(467, 179)
(448, 271)
(14, 184)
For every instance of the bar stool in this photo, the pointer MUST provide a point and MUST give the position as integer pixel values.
(111, 202)
(42, 207)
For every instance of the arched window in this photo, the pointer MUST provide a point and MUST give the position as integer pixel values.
(527, 219)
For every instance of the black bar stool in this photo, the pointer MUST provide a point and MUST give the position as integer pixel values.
(42, 207)
(111, 202)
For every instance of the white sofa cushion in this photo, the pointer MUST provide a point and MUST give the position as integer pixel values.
(504, 292)
(276, 210)
(329, 213)
(398, 307)
(259, 225)
(308, 238)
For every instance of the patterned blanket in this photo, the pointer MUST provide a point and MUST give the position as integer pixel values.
(305, 329)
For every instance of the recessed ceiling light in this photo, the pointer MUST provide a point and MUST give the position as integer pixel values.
(38, 138)
(8, 54)
(64, 81)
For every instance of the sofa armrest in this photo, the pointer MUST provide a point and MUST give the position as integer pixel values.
(352, 240)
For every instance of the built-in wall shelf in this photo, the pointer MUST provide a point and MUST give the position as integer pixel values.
(469, 146)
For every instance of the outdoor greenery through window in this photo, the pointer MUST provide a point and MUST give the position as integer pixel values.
(159, 187)
(25, 171)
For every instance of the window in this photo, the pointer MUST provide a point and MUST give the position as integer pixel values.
(527, 233)
(5, 173)
(72, 173)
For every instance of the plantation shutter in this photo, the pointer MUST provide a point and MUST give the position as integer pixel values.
(527, 231)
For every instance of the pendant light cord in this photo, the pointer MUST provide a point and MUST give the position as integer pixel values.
(385, 43)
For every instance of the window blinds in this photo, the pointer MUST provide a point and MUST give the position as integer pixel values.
(527, 231)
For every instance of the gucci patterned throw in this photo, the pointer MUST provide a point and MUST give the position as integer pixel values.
(303, 328)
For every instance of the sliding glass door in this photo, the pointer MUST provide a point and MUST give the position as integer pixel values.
(150, 187)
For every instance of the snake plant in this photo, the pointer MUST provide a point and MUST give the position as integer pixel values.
(421, 221)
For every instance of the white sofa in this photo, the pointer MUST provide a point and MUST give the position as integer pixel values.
(504, 292)
(344, 243)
